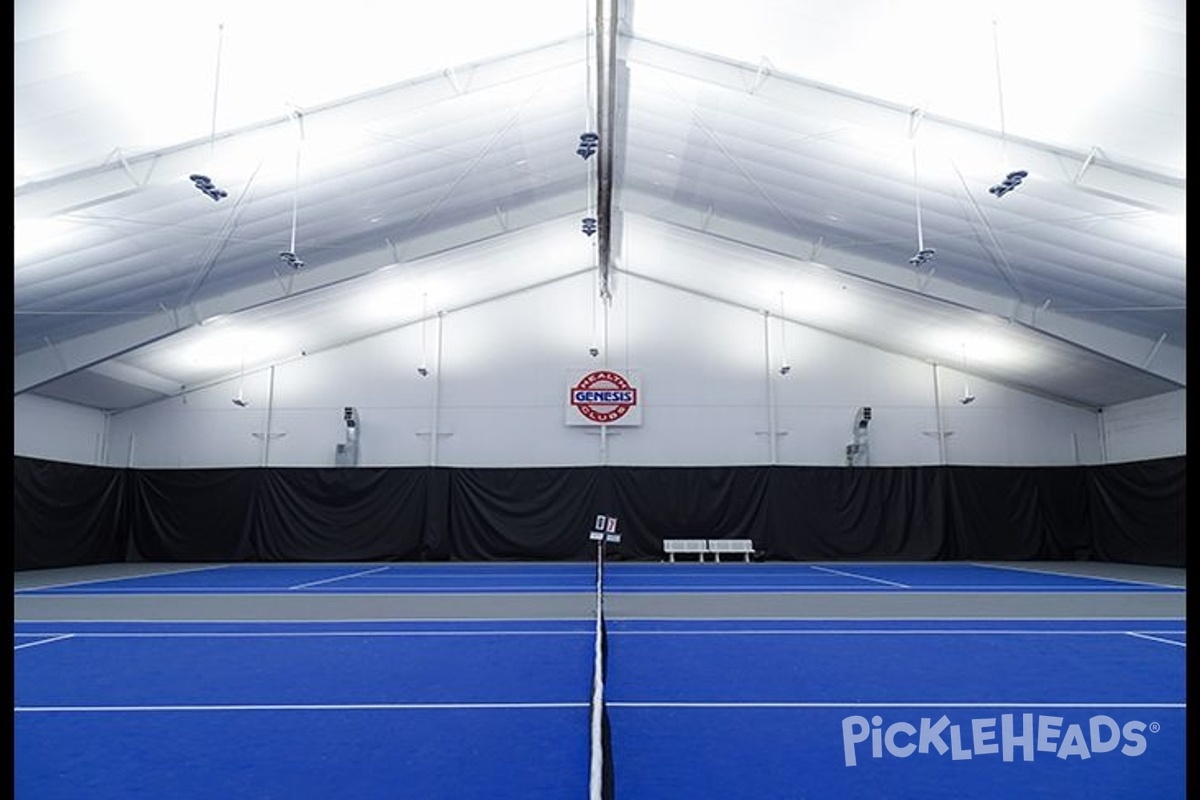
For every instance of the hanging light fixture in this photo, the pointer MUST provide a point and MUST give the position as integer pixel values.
(588, 143)
(923, 253)
(784, 367)
(423, 368)
(967, 398)
(203, 182)
(240, 400)
(289, 256)
(1013, 179)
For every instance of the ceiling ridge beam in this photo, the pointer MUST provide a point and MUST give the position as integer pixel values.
(606, 80)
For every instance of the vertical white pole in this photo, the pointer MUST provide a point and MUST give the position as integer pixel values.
(105, 432)
(937, 406)
(437, 391)
(772, 445)
(605, 302)
(266, 451)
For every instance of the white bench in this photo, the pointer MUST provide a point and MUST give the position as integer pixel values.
(718, 546)
(699, 547)
(696, 547)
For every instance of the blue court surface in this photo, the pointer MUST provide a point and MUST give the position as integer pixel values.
(496, 578)
(753, 709)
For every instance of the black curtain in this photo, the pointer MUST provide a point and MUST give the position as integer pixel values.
(360, 514)
(521, 514)
(192, 514)
(656, 503)
(67, 514)
(1139, 512)
(1001, 514)
(821, 513)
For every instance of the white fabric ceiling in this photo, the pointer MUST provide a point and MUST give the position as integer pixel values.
(809, 143)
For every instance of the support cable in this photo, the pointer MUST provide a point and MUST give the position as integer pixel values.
(203, 182)
(1013, 178)
(923, 253)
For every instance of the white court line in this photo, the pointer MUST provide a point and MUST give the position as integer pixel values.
(647, 632)
(338, 621)
(932, 704)
(301, 707)
(905, 618)
(44, 641)
(115, 578)
(517, 576)
(226, 591)
(337, 578)
(861, 577)
(1139, 635)
(1063, 574)
(800, 588)
(582, 617)
(611, 703)
(310, 634)
(654, 588)
(883, 632)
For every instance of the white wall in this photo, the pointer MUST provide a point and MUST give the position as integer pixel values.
(48, 429)
(707, 371)
(1150, 428)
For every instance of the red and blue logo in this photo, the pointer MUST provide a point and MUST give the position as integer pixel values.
(603, 396)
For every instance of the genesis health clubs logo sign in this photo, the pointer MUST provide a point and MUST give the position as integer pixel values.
(603, 397)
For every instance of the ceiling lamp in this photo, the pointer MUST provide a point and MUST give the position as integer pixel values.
(203, 182)
(588, 142)
(289, 256)
(923, 253)
(784, 366)
(240, 400)
(1010, 182)
(967, 398)
(1013, 179)
(423, 367)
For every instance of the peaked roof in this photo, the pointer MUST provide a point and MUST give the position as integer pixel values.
(765, 156)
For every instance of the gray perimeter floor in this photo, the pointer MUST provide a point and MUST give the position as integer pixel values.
(708, 605)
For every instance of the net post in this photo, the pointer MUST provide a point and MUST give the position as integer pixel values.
(604, 531)
(600, 770)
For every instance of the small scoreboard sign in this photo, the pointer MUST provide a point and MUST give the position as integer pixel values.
(603, 397)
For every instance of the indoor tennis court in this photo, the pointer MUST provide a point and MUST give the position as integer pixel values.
(455, 680)
(336, 326)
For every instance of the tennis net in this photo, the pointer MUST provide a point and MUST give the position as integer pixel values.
(600, 783)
